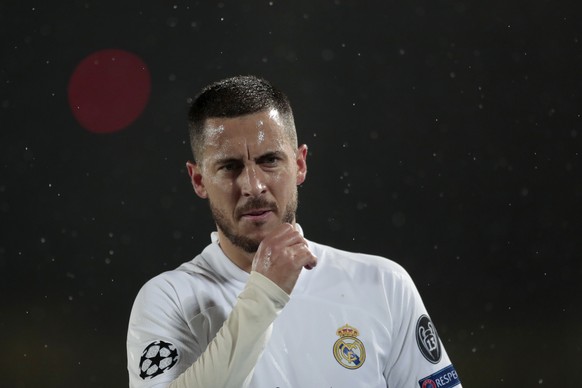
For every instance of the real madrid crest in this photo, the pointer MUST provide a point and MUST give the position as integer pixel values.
(348, 350)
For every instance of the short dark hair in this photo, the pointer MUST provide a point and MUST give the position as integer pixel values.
(233, 97)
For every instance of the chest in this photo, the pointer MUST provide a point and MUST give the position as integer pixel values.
(326, 339)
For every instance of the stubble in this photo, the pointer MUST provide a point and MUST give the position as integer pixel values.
(226, 225)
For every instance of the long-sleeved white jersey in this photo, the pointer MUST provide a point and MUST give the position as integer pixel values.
(355, 320)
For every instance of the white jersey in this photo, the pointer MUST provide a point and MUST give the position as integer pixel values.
(355, 320)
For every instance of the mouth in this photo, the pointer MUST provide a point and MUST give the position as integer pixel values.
(257, 214)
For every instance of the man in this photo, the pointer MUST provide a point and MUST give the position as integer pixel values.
(262, 306)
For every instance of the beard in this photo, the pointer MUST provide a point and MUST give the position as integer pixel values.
(246, 243)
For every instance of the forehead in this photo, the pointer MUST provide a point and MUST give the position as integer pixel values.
(245, 135)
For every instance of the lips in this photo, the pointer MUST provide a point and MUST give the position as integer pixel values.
(256, 212)
(256, 209)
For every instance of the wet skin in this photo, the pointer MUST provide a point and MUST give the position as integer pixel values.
(249, 171)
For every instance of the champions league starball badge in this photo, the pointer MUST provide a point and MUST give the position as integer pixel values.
(157, 357)
(348, 350)
(428, 340)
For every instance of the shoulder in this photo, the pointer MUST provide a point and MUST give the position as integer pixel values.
(169, 281)
(359, 265)
(177, 283)
(193, 271)
(338, 257)
(163, 291)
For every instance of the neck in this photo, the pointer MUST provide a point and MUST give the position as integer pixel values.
(237, 255)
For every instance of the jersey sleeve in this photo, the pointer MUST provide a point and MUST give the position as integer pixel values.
(419, 358)
(159, 341)
(228, 360)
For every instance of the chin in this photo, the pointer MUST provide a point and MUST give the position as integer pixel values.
(259, 230)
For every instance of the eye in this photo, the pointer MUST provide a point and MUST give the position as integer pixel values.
(229, 166)
(271, 160)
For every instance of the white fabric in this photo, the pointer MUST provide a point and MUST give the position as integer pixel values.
(233, 353)
(188, 306)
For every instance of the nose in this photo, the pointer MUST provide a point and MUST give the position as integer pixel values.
(252, 181)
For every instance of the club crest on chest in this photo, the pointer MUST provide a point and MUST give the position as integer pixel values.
(348, 350)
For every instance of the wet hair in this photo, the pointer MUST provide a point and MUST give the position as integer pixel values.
(233, 97)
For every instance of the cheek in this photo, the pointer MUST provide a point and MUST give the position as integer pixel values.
(279, 179)
(284, 183)
(225, 189)
(212, 181)
(220, 188)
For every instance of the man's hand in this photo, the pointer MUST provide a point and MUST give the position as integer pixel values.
(282, 255)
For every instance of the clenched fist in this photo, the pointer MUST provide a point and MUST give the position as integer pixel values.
(282, 255)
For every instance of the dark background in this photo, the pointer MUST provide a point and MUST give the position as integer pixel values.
(445, 135)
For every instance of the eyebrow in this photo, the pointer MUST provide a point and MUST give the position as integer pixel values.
(270, 154)
(266, 155)
(228, 160)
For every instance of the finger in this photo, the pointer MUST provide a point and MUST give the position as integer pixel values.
(287, 235)
(312, 263)
(305, 257)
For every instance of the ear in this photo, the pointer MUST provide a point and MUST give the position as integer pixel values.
(301, 164)
(196, 179)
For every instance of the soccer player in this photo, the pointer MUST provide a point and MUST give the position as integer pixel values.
(262, 306)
